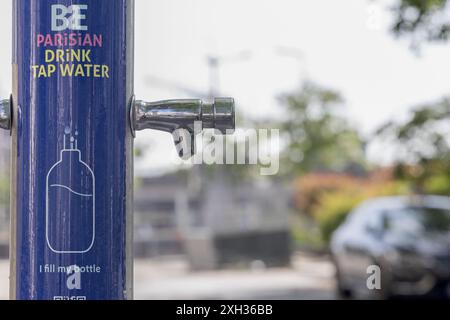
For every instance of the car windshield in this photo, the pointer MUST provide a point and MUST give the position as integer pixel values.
(418, 220)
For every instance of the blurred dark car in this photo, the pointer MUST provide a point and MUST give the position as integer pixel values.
(408, 238)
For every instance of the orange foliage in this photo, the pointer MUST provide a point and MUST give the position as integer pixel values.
(309, 189)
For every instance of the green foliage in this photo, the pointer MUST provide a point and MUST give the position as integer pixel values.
(423, 20)
(309, 189)
(422, 136)
(305, 233)
(333, 209)
(423, 157)
(318, 137)
(438, 184)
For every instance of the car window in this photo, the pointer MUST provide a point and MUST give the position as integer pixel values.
(365, 217)
(417, 220)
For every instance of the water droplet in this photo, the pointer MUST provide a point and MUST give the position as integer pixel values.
(67, 130)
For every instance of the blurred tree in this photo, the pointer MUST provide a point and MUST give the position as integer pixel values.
(319, 139)
(422, 144)
(423, 20)
(422, 141)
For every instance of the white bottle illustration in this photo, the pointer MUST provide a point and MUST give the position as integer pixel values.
(70, 201)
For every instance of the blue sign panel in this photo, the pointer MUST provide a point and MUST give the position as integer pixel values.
(73, 148)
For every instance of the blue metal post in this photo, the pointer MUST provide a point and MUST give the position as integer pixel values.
(72, 117)
(72, 140)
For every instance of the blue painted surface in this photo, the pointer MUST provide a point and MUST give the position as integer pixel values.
(71, 155)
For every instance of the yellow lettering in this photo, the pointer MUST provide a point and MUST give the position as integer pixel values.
(60, 56)
(105, 71)
(66, 70)
(42, 72)
(88, 69)
(51, 69)
(86, 56)
(80, 71)
(73, 56)
(97, 71)
(49, 56)
(34, 68)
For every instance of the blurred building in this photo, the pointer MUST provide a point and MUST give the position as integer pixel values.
(157, 208)
(217, 223)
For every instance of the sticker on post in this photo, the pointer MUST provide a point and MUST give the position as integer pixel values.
(70, 201)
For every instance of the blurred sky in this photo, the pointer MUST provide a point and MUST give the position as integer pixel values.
(344, 45)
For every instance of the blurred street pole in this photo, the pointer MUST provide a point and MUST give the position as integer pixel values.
(214, 65)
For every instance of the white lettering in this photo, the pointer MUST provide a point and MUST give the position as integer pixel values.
(71, 17)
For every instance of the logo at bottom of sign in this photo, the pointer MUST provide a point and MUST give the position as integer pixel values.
(65, 298)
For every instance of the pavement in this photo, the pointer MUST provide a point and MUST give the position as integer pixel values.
(309, 278)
